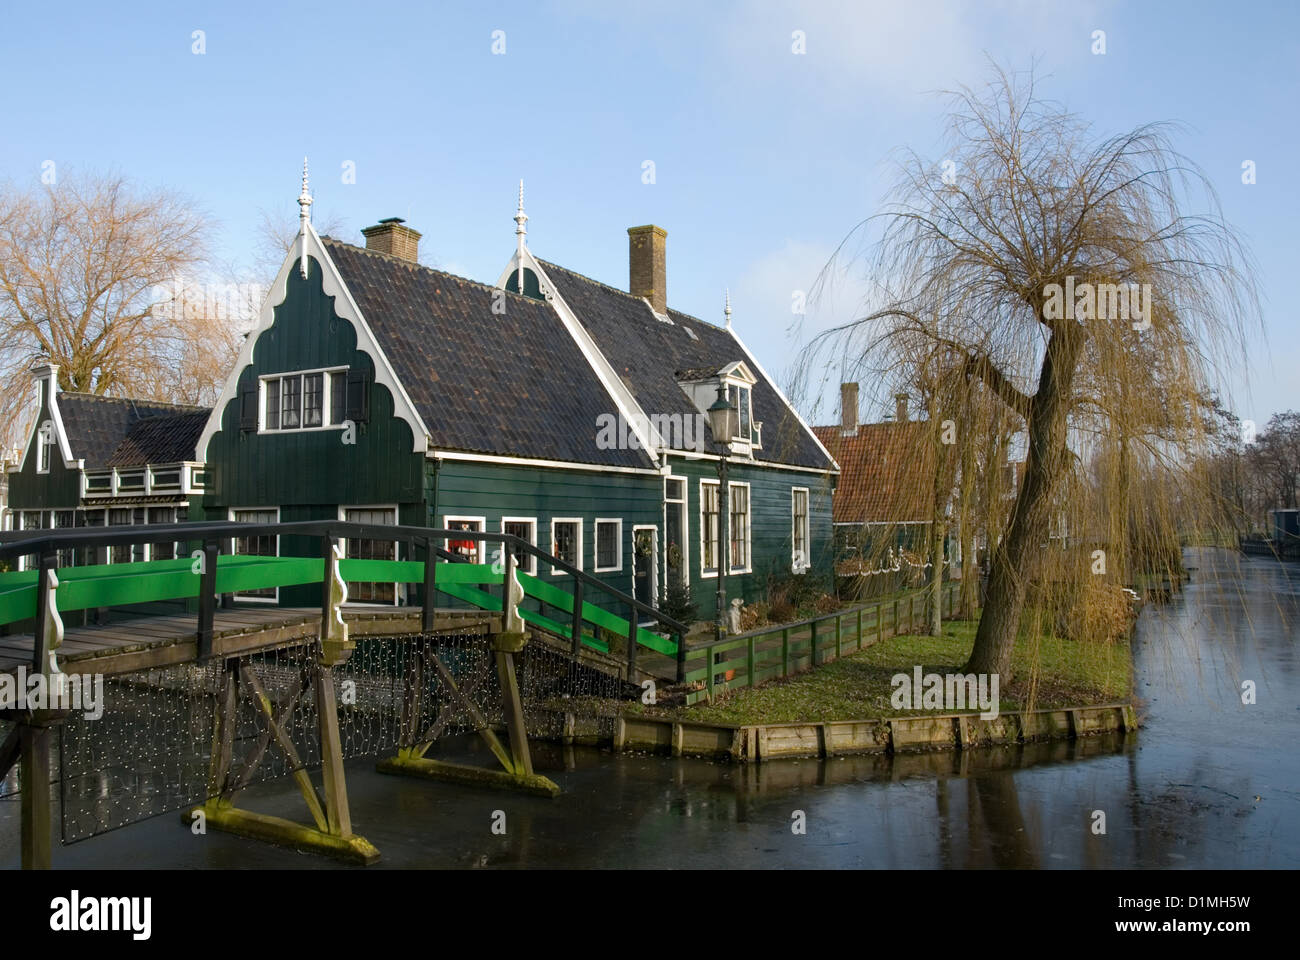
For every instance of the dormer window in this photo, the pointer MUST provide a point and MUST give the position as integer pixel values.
(739, 397)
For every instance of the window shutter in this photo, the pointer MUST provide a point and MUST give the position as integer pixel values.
(248, 408)
(358, 407)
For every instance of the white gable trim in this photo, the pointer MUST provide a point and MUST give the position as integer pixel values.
(60, 434)
(784, 399)
(631, 411)
(310, 245)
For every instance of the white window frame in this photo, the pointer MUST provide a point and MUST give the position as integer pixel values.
(325, 403)
(795, 565)
(685, 504)
(532, 538)
(556, 572)
(481, 545)
(230, 515)
(706, 574)
(399, 589)
(748, 389)
(45, 444)
(749, 528)
(595, 545)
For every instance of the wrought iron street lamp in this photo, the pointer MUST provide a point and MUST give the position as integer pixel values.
(723, 417)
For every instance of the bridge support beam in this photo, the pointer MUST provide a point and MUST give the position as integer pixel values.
(332, 835)
(516, 761)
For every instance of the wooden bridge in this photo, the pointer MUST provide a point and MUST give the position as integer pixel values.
(500, 604)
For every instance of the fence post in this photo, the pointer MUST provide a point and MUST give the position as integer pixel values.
(896, 618)
(428, 613)
(631, 643)
(681, 658)
(880, 622)
(839, 623)
(207, 598)
(859, 632)
(813, 628)
(785, 651)
(749, 666)
(708, 671)
(577, 617)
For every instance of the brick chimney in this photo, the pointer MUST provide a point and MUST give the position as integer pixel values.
(900, 407)
(849, 409)
(389, 236)
(647, 265)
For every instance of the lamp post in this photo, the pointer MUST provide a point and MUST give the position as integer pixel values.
(722, 421)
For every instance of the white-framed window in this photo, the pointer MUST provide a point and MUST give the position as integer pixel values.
(366, 549)
(45, 447)
(800, 556)
(303, 400)
(739, 395)
(257, 546)
(164, 550)
(566, 542)
(676, 526)
(609, 545)
(738, 527)
(471, 550)
(525, 528)
(710, 528)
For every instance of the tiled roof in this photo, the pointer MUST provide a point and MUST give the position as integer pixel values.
(651, 357)
(511, 384)
(886, 472)
(162, 439)
(96, 426)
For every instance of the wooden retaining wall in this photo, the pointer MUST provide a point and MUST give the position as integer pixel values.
(844, 737)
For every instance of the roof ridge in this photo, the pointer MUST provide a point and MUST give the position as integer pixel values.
(334, 241)
(181, 407)
(630, 296)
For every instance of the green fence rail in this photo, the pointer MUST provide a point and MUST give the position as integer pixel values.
(767, 653)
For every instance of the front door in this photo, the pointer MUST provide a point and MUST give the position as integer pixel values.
(644, 541)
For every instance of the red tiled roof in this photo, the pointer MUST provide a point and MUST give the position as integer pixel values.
(886, 472)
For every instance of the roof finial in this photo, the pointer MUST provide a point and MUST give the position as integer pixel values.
(520, 231)
(727, 309)
(304, 218)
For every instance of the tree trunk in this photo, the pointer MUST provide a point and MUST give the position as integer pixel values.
(1013, 559)
(966, 531)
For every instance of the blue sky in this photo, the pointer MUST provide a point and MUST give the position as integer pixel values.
(764, 160)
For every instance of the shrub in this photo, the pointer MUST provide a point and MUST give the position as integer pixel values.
(780, 611)
(826, 603)
(753, 615)
(677, 602)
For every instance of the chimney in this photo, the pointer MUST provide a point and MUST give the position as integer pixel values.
(46, 376)
(389, 236)
(900, 407)
(849, 409)
(646, 265)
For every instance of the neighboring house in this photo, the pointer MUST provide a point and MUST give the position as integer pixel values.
(92, 461)
(378, 390)
(884, 498)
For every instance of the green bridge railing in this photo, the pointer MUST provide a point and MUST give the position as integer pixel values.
(186, 578)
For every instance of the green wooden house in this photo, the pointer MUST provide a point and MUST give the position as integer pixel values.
(374, 389)
(92, 461)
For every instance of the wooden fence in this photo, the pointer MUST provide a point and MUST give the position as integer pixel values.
(769, 652)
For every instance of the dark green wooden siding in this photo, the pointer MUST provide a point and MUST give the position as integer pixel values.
(771, 533)
(59, 489)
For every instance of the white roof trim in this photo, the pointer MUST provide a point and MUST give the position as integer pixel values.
(786, 400)
(346, 307)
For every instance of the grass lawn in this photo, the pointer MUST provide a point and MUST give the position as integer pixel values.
(857, 687)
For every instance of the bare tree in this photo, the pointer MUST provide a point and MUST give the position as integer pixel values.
(98, 277)
(1062, 272)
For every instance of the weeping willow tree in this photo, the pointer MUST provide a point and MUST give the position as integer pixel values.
(1080, 292)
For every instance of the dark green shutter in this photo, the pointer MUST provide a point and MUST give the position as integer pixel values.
(248, 408)
(358, 396)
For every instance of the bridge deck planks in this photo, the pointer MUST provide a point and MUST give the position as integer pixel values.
(124, 646)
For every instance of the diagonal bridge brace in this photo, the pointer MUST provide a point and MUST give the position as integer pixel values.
(332, 834)
(516, 761)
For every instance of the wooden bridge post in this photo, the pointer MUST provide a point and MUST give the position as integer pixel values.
(32, 736)
(517, 765)
(631, 643)
(428, 612)
(332, 834)
(207, 598)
